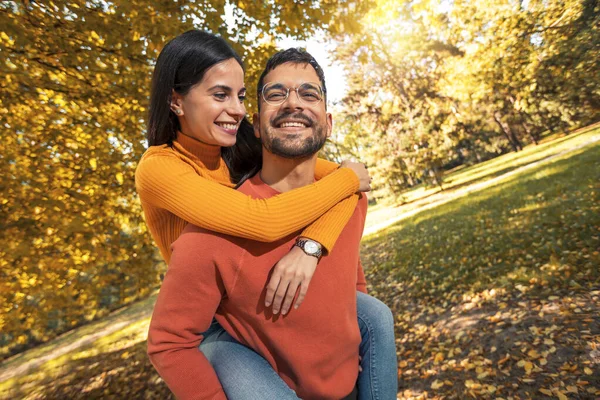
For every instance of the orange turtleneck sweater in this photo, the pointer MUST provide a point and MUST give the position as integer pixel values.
(189, 182)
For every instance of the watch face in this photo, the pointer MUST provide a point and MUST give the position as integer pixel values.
(311, 247)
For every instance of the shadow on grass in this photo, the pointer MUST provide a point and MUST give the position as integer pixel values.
(545, 216)
(482, 352)
(122, 374)
(481, 171)
(30, 360)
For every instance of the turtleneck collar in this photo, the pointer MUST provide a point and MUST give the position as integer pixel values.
(208, 154)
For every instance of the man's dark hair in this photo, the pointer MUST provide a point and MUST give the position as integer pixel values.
(295, 56)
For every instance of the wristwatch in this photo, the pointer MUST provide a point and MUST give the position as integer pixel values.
(310, 247)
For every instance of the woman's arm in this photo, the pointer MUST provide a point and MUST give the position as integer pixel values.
(324, 167)
(188, 299)
(327, 228)
(167, 182)
(294, 271)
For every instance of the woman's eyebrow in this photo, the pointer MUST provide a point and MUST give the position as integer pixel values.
(221, 87)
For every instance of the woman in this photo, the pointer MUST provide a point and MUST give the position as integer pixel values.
(199, 149)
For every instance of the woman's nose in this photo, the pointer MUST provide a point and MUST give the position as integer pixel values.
(237, 108)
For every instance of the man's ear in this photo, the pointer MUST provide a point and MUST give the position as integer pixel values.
(329, 125)
(176, 102)
(256, 124)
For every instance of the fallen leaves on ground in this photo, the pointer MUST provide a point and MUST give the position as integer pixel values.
(497, 295)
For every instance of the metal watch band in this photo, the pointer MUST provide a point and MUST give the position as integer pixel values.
(302, 242)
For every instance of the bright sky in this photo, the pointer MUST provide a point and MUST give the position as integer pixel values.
(321, 50)
(318, 46)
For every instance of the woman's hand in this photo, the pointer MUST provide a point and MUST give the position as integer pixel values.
(295, 269)
(360, 170)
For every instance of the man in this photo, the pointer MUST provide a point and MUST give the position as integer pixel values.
(313, 349)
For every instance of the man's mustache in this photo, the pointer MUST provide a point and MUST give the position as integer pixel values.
(288, 115)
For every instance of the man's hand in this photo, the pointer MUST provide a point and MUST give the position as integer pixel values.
(295, 269)
(361, 171)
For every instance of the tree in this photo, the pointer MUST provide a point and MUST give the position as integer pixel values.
(401, 117)
(434, 84)
(75, 95)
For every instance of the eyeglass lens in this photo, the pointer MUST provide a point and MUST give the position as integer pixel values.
(276, 93)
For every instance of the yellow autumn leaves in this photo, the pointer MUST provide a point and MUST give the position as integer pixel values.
(74, 111)
(118, 176)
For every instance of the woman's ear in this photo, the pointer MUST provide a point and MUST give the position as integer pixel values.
(176, 103)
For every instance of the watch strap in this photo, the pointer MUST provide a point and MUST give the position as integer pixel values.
(301, 242)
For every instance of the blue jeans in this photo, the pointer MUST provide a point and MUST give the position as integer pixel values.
(244, 374)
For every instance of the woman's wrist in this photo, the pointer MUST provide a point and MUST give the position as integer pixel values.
(309, 246)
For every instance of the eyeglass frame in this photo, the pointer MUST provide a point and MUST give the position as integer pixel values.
(288, 89)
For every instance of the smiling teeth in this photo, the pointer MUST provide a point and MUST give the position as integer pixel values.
(228, 126)
(293, 124)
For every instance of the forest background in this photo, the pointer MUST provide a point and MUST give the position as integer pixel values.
(432, 86)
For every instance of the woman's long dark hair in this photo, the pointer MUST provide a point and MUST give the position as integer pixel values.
(244, 158)
(182, 64)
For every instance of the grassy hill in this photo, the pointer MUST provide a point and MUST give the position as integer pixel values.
(497, 294)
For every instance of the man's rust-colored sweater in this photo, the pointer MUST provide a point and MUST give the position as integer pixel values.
(314, 348)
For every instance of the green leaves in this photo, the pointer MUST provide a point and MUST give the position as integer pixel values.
(435, 85)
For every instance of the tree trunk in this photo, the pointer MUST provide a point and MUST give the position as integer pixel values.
(406, 175)
(508, 133)
(514, 137)
(534, 133)
(530, 133)
(437, 175)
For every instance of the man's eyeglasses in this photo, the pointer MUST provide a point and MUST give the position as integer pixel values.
(309, 93)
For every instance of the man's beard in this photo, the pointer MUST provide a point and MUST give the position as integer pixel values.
(291, 146)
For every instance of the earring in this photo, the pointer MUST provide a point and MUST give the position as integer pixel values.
(178, 112)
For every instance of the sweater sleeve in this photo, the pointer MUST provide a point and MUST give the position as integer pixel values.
(324, 168)
(329, 226)
(188, 299)
(361, 281)
(169, 183)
